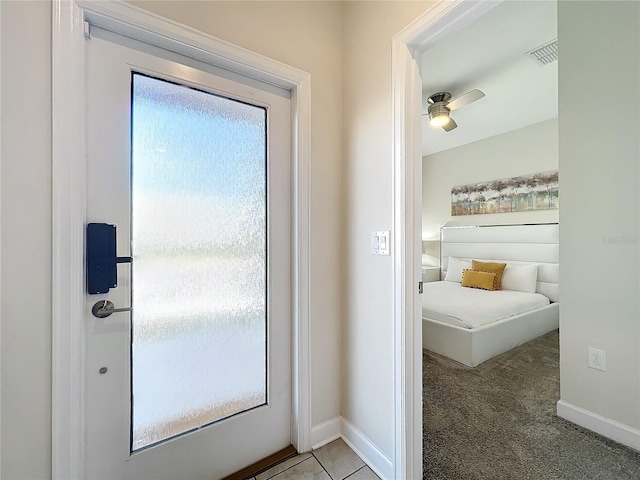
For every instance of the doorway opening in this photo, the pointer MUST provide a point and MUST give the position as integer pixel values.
(416, 41)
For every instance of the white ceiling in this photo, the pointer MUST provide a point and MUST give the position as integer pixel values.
(490, 54)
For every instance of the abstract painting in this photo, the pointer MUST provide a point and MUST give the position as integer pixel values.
(538, 191)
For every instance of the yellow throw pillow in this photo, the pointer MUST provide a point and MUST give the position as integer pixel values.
(478, 279)
(497, 268)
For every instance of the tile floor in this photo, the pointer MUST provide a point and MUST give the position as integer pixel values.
(334, 461)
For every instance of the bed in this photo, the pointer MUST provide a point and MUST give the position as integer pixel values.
(471, 326)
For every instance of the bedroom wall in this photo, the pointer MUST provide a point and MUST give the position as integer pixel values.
(600, 215)
(531, 149)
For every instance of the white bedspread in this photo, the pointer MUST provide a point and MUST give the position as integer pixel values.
(466, 307)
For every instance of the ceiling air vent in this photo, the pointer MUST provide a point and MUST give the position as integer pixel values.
(545, 54)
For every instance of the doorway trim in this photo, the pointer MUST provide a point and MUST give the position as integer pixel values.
(441, 20)
(69, 194)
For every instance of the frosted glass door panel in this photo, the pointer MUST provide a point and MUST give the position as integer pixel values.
(199, 328)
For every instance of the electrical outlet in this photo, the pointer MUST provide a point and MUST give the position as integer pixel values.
(597, 359)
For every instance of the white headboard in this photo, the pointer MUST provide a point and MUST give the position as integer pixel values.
(511, 244)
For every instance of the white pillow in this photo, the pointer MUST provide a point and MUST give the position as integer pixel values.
(522, 278)
(454, 269)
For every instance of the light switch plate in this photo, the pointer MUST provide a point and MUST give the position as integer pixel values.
(380, 242)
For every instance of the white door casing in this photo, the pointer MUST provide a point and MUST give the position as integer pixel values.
(444, 18)
(69, 199)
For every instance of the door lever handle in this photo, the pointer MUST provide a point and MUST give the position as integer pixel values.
(104, 308)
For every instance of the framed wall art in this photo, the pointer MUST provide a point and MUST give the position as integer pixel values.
(538, 191)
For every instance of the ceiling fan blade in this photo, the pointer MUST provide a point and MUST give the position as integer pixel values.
(450, 126)
(465, 99)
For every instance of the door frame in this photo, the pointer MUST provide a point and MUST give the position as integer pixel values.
(442, 19)
(69, 195)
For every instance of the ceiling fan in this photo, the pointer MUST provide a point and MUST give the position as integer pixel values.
(440, 104)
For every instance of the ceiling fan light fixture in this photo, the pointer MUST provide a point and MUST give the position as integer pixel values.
(438, 115)
(439, 120)
(439, 107)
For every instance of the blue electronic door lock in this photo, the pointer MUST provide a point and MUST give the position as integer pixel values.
(101, 258)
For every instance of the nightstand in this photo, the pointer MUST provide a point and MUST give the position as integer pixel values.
(430, 274)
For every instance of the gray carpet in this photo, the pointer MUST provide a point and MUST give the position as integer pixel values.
(498, 421)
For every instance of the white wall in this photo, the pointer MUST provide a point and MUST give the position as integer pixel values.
(367, 386)
(26, 240)
(531, 149)
(600, 213)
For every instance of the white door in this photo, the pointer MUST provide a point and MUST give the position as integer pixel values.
(192, 166)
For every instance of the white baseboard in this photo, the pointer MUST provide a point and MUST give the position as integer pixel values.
(370, 454)
(616, 431)
(325, 432)
(367, 450)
